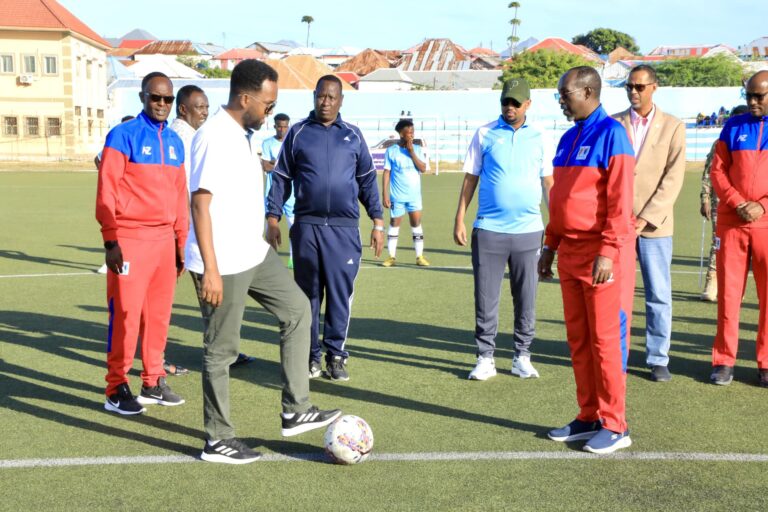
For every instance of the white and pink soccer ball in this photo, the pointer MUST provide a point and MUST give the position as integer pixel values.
(348, 440)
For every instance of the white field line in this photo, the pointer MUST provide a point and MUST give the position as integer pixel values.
(362, 267)
(402, 457)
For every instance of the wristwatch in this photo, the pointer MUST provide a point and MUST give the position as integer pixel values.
(110, 244)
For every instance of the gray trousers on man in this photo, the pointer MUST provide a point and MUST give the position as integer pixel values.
(270, 284)
(492, 253)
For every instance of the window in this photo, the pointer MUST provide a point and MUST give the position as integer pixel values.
(89, 111)
(78, 111)
(33, 126)
(10, 125)
(6, 63)
(90, 127)
(54, 126)
(30, 64)
(100, 113)
(50, 65)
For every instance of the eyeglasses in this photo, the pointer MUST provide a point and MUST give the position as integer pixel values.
(270, 106)
(565, 94)
(758, 97)
(157, 98)
(638, 87)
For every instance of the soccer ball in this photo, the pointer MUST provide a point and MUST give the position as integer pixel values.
(348, 440)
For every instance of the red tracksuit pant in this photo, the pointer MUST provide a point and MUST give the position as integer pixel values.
(739, 246)
(140, 303)
(594, 322)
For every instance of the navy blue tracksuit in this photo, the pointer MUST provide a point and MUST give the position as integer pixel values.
(329, 169)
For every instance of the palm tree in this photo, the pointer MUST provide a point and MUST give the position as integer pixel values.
(308, 20)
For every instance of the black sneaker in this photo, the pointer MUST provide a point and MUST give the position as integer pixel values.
(229, 451)
(123, 402)
(762, 376)
(315, 370)
(301, 422)
(721, 375)
(336, 369)
(660, 374)
(160, 394)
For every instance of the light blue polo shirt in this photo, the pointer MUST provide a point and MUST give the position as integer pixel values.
(270, 148)
(510, 164)
(404, 179)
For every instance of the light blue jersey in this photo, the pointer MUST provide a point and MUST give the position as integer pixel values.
(510, 164)
(404, 179)
(270, 148)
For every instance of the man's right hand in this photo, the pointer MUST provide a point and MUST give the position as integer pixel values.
(114, 259)
(212, 289)
(545, 264)
(460, 233)
(386, 202)
(706, 209)
(273, 233)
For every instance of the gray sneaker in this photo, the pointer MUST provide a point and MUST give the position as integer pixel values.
(336, 369)
(315, 370)
(721, 375)
(159, 394)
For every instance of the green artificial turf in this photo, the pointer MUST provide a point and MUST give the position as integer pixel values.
(411, 345)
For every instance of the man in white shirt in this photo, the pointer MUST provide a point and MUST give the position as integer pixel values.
(229, 260)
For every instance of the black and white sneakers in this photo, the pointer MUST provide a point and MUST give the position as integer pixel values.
(160, 394)
(229, 451)
(300, 422)
(123, 402)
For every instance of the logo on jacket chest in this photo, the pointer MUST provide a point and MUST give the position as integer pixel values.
(583, 152)
(742, 137)
(172, 153)
(146, 150)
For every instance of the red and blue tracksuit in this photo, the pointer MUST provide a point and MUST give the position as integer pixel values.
(329, 169)
(141, 202)
(590, 214)
(739, 174)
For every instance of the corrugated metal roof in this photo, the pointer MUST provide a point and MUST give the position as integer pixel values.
(168, 48)
(435, 55)
(240, 54)
(45, 14)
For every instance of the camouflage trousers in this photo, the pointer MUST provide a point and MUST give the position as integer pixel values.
(715, 244)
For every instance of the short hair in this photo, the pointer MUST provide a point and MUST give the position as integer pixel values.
(250, 75)
(403, 123)
(648, 69)
(282, 117)
(183, 95)
(155, 74)
(328, 78)
(587, 76)
(127, 118)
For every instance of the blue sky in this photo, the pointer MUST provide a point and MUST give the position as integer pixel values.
(398, 24)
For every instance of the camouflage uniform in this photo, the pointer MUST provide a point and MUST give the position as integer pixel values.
(708, 194)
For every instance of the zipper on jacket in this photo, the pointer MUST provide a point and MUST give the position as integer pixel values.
(328, 174)
(573, 146)
(757, 159)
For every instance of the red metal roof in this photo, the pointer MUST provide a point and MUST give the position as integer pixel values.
(134, 44)
(168, 48)
(348, 76)
(561, 45)
(46, 15)
(482, 51)
(240, 54)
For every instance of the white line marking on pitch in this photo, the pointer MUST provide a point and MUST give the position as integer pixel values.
(402, 457)
(14, 276)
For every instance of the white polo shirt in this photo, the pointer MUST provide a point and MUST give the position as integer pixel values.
(225, 161)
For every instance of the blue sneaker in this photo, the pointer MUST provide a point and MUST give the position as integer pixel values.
(576, 430)
(608, 441)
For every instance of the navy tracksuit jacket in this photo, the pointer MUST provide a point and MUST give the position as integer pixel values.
(329, 169)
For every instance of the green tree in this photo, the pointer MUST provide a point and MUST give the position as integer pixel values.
(605, 40)
(718, 71)
(515, 22)
(308, 20)
(542, 68)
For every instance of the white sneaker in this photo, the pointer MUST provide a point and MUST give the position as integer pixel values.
(102, 269)
(522, 367)
(484, 370)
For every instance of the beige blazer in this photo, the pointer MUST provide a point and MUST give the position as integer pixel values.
(659, 171)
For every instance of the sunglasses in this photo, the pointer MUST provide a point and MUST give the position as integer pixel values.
(638, 87)
(270, 106)
(510, 101)
(565, 94)
(157, 98)
(755, 96)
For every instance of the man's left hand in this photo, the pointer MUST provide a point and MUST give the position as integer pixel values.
(640, 224)
(377, 241)
(179, 261)
(602, 270)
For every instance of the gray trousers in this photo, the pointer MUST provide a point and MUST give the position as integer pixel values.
(270, 284)
(492, 253)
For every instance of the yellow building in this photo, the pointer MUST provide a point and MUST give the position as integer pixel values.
(53, 83)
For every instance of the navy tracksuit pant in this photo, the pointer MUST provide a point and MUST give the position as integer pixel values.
(326, 260)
